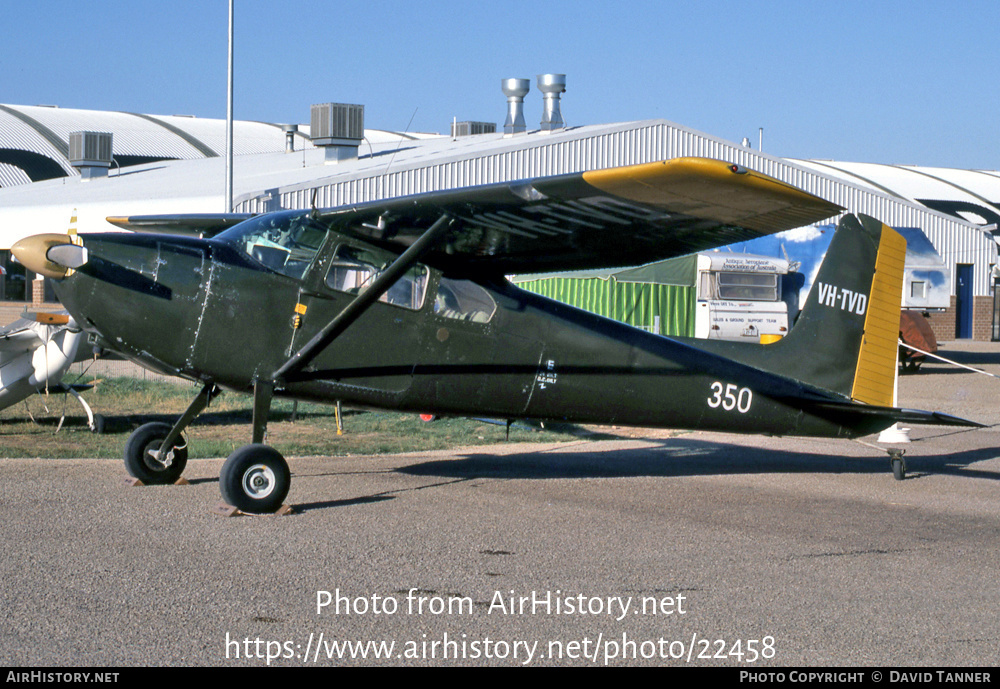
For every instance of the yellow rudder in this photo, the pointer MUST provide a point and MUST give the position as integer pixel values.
(875, 374)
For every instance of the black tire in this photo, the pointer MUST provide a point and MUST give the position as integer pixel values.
(898, 469)
(255, 479)
(98, 424)
(142, 465)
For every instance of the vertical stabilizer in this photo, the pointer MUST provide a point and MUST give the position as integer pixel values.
(846, 336)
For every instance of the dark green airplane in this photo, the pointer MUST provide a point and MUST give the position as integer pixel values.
(403, 304)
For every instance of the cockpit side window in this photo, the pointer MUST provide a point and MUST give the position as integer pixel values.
(354, 269)
(464, 300)
(284, 242)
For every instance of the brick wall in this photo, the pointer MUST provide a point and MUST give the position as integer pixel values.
(982, 319)
(943, 323)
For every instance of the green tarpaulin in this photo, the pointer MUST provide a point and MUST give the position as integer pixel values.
(635, 303)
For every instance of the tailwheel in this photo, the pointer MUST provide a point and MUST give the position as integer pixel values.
(255, 478)
(147, 461)
(898, 464)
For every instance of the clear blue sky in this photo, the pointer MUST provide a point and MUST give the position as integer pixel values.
(890, 81)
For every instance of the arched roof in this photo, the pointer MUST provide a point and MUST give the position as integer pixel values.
(34, 140)
(972, 195)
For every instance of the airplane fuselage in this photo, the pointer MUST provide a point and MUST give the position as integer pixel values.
(207, 310)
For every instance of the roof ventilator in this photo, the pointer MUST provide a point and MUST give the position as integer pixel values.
(515, 90)
(472, 128)
(90, 153)
(551, 85)
(338, 129)
(290, 130)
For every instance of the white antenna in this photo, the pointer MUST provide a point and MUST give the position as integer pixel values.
(402, 138)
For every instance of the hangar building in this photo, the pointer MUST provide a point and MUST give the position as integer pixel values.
(354, 165)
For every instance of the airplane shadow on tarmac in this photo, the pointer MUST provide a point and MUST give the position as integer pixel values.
(676, 457)
(689, 457)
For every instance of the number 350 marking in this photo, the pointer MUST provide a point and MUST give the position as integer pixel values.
(734, 397)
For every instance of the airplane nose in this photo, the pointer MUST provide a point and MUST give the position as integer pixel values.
(51, 255)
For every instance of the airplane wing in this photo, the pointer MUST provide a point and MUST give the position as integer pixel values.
(19, 336)
(193, 224)
(598, 219)
(27, 333)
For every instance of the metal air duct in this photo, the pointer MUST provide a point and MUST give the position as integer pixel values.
(551, 85)
(289, 130)
(515, 90)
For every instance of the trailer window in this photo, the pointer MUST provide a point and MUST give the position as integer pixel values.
(749, 286)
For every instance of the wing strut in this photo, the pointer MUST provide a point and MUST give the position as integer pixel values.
(356, 308)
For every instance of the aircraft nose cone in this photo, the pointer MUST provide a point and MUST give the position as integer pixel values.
(50, 255)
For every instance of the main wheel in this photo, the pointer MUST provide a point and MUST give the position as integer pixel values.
(255, 478)
(140, 462)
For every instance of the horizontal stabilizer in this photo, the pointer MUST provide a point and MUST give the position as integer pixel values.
(896, 415)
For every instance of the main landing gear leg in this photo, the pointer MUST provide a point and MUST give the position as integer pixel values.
(156, 453)
(256, 478)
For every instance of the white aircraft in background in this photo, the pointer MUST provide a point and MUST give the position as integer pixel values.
(35, 353)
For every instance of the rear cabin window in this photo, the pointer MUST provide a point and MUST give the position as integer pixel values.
(353, 270)
(464, 300)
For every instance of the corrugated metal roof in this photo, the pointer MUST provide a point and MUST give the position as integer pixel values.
(133, 135)
(10, 176)
(35, 139)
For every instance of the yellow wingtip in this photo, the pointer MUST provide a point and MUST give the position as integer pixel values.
(715, 190)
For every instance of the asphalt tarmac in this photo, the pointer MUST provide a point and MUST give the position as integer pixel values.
(660, 549)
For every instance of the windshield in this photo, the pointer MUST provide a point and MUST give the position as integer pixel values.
(284, 242)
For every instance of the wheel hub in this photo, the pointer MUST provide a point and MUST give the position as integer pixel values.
(258, 481)
(158, 460)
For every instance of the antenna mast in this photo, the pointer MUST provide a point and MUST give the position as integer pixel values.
(229, 120)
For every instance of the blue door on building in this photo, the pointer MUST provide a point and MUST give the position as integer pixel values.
(963, 301)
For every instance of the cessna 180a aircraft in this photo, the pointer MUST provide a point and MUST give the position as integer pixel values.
(403, 304)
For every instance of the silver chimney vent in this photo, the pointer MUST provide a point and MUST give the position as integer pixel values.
(551, 85)
(515, 90)
(90, 153)
(289, 130)
(338, 128)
